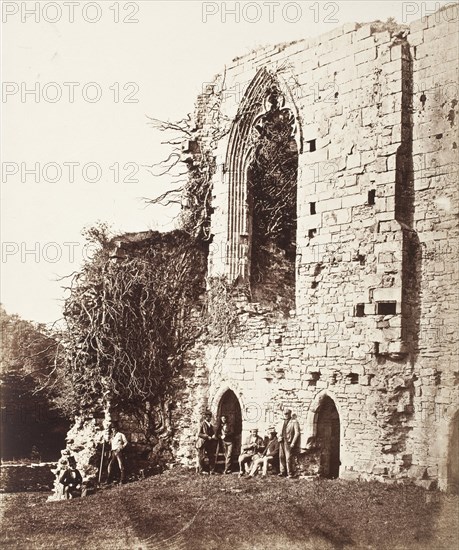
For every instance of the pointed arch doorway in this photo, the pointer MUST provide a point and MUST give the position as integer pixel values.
(230, 407)
(328, 438)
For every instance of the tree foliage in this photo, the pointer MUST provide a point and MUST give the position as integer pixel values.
(27, 348)
(29, 413)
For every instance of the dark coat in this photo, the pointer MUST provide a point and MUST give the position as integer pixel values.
(71, 478)
(272, 448)
(226, 433)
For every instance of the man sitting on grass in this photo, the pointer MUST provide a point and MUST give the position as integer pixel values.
(251, 450)
(269, 456)
(71, 480)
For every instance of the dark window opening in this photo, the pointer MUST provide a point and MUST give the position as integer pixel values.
(312, 145)
(312, 207)
(353, 378)
(272, 200)
(387, 308)
(361, 259)
(314, 284)
(359, 310)
(314, 378)
(312, 233)
(371, 197)
(437, 377)
(376, 348)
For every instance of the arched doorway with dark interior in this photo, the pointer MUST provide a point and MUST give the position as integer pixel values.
(328, 438)
(230, 407)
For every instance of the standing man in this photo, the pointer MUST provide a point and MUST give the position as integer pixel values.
(118, 443)
(289, 441)
(251, 450)
(270, 455)
(225, 438)
(205, 444)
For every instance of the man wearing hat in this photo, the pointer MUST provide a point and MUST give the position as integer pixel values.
(251, 449)
(289, 441)
(71, 480)
(205, 443)
(269, 455)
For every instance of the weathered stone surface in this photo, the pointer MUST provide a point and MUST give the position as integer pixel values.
(376, 266)
(368, 254)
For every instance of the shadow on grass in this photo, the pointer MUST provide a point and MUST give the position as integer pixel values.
(181, 510)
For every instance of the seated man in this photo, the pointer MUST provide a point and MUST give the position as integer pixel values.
(269, 455)
(251, 449)
(71, 480)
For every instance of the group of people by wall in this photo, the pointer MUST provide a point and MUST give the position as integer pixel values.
(279, 449)
(70, 478)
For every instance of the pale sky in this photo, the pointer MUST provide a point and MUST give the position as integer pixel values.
(164, 59)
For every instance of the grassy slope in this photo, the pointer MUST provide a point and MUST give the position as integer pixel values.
(179, 509)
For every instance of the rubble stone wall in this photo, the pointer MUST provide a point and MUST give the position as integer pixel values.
(434, 42)
(376, 318)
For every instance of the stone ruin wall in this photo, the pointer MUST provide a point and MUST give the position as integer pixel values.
(376, 111)
(381, 110)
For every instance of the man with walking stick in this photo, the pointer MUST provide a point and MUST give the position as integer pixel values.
(118, 443)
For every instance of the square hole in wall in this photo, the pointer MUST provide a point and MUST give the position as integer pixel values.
(312, 208)
(312, 146)
(312, 233)
(371, 197)
(353, 378)
(386, 308)
(359, 310)
(314, 378)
